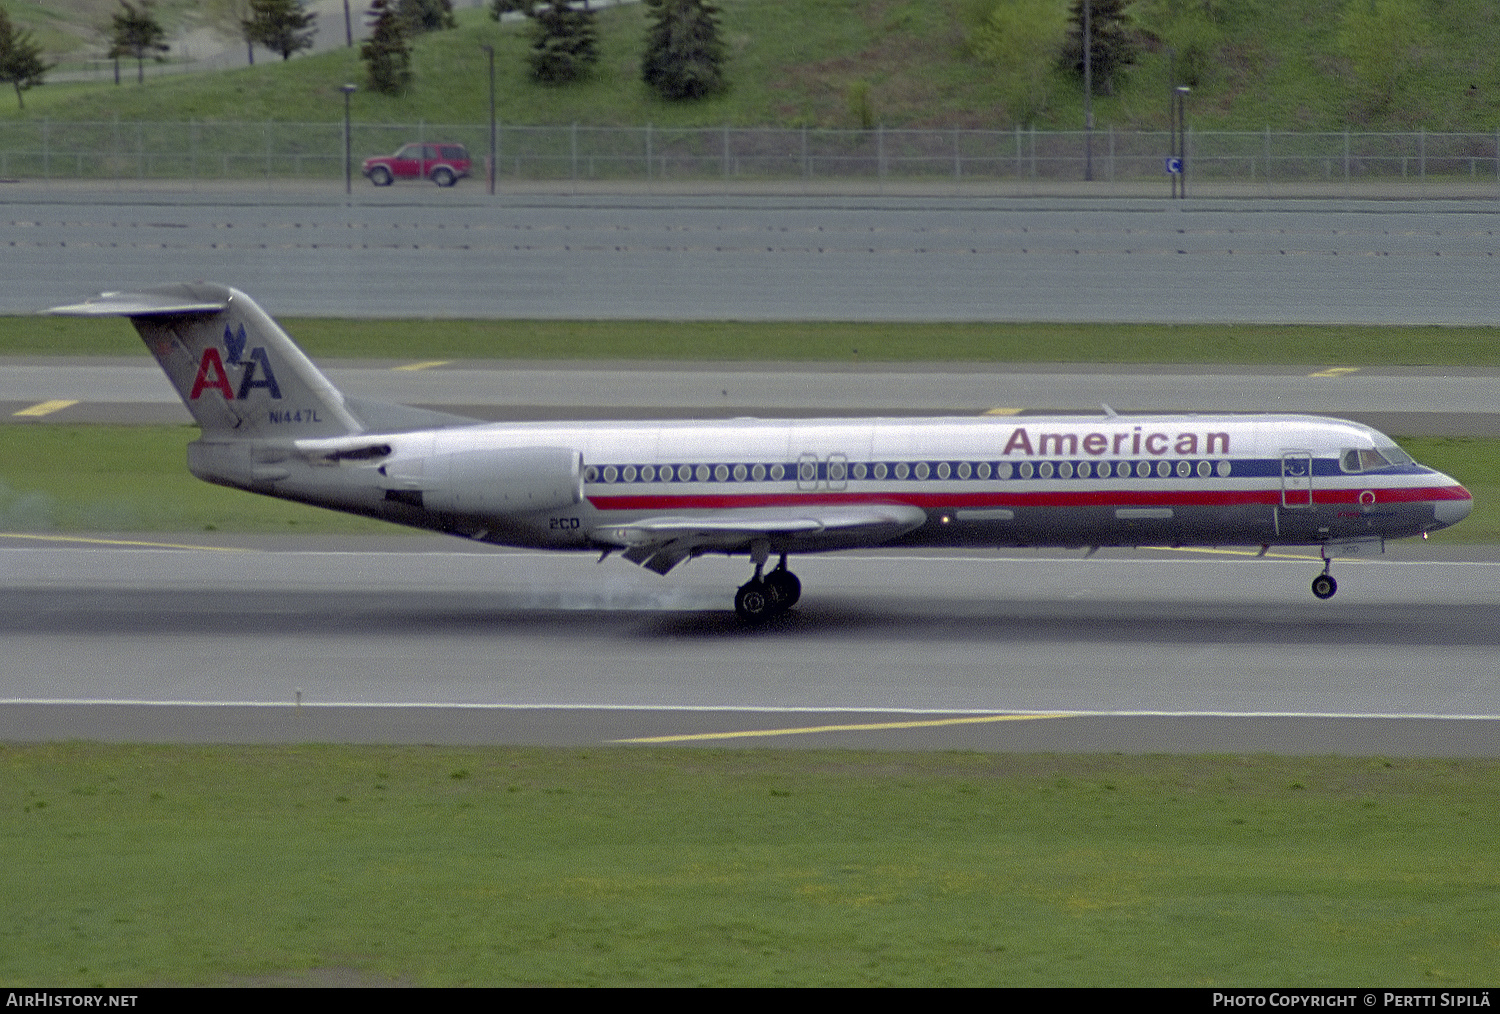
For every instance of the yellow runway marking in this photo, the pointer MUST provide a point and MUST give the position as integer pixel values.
(1233, 552)
(423, 366)
(119, 542)
(1335, 371)
(46, 407)
(1002, 411)
(927, 724)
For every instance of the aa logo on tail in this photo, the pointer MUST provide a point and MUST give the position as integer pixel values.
(212, 375)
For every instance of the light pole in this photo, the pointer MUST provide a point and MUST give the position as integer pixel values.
(1088, 94)
(1182, 94)
(348, 90)
(490, 50)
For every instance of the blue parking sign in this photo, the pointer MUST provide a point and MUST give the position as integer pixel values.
(1174, 166)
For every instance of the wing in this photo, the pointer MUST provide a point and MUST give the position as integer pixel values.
(660, 543)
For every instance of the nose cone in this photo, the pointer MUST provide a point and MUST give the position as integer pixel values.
(1453, 505)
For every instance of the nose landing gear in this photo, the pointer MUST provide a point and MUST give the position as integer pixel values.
(1324, 585)
(761, 598)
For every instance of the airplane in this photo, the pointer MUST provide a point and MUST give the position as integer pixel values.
(663, 492)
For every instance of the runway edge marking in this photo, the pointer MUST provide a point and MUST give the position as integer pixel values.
(977, 714)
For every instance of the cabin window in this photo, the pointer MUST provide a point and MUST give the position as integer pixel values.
(1026, 469)
(964, 470)
(611, 474)
(1045, 470)
(944, 470)
(778, 472)
(591, 474)
(1204, 469)
(922, 470)
(1223, 469)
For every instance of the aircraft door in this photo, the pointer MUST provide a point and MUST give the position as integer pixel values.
(838, 471)
(1296, 479)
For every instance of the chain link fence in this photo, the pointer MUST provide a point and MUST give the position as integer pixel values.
(1015, 161)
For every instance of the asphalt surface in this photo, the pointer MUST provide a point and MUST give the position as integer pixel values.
(1414, 402)
(434, 641)
(408, 640)
(413, 252)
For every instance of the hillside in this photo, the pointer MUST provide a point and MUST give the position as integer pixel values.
(1255, 63)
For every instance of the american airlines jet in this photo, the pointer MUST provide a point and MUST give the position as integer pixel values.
(663, 492)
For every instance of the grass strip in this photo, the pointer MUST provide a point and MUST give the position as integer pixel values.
(97, 478)
(508, 866)
(746, 341)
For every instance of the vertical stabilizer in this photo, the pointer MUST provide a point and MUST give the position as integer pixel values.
(237, 371)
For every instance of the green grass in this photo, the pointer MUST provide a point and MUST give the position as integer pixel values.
(131, 865)
(1263, 344)
(59, 478)
(1269, 64)
(135, 479)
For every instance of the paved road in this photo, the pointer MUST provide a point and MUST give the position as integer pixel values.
(766, 258)
(535, 647)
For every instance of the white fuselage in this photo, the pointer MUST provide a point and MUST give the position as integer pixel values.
(1037, 480)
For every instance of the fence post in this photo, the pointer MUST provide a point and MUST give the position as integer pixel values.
(1018, 153)
(648, 152)
(1111, 153)
(1033, 157)
(573, 150)
(1422, 154)
(880, 152)
(1346, 162)
(807, 167)
(46, 148)
(726, 158)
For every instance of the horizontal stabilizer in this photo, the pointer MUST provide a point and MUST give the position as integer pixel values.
(167, 300)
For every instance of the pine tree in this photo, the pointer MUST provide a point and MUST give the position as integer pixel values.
(1115, 42)
(565, 44)
(427, 15)
(282, 26)
(683, 52)
(21, 62)
(386, 53)
(136, 32)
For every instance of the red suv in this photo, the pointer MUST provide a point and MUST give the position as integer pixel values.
(443, 164)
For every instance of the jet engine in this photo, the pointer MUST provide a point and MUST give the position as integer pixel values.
(497, 481)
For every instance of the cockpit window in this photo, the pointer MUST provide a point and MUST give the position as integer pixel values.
(1363, 459)
(1394, 454)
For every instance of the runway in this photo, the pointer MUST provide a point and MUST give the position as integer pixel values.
(429, 641)
(463, 254)
(1413, 402)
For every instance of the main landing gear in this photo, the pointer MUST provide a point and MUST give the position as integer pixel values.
(1324, 585)
(760, 598)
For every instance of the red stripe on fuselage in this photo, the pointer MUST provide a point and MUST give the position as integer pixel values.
(1088, 498)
